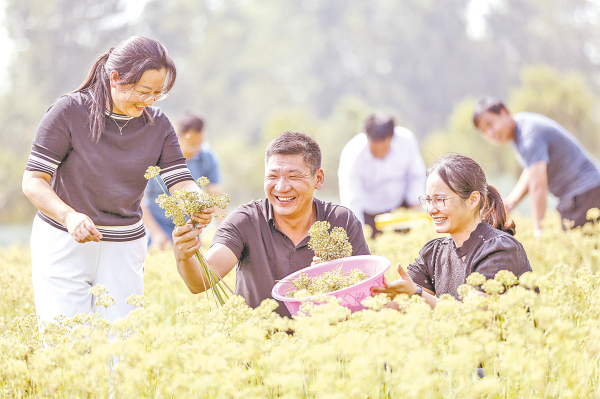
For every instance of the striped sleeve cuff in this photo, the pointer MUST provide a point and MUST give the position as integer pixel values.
(42, 163)
(175, 174)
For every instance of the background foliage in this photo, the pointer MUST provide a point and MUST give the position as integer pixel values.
(258, 68)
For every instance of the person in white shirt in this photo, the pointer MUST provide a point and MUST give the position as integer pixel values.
(381, 170)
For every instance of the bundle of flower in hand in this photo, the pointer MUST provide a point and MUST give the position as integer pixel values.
(324, 283)
(183, 204)
(329, 245)
(180, 207)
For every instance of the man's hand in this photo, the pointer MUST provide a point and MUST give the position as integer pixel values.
(81, 227)
(404, 285)
(186, 241)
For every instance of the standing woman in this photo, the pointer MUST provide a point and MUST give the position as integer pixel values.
(85, 175)
(463, 205)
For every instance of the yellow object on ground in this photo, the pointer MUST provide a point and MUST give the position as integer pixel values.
(401, 220)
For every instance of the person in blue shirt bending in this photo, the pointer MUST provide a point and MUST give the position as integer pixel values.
(201, 160)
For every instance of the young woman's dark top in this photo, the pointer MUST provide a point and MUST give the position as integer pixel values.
(442, 268)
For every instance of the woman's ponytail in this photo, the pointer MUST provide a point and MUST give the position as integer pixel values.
(494, 213)
(97, 82)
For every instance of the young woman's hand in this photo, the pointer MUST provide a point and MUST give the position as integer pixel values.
(404, 285)
(186, 241)
(81, 227)
(204, 218)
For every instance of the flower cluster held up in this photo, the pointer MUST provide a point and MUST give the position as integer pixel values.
(329, 245)
(180, 207)
(183, 204)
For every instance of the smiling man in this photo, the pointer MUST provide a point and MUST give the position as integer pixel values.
(268, 239)
(553, 161)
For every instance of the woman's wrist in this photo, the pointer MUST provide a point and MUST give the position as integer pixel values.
(418, 290)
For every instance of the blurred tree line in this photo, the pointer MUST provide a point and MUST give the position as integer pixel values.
(255, 69)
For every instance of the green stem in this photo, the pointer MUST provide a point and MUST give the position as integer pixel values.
(207, 274)
(216, 273)
(214, 280)
(204, 285)
(161, 187)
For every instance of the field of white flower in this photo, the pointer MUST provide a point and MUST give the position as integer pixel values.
(528, 344)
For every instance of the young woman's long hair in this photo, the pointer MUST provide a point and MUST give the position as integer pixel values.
(130, 59)
(463, 175)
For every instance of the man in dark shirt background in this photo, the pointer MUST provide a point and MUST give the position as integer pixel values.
(268, 239)
(553, 161)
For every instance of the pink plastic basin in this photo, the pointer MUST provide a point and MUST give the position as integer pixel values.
(373, 265)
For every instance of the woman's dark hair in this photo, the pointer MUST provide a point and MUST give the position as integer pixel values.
(463, 175)
(130, 58)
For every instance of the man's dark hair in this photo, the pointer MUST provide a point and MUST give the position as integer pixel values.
(379, 126)
(488, 104)
(296, 143)
(189, 121)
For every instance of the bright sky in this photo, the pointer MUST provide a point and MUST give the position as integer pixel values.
(133, 8)
(476, 12)
(6, 48)
(475, 15)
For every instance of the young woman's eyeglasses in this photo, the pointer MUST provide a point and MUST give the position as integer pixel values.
(148, 96)
(437, 201)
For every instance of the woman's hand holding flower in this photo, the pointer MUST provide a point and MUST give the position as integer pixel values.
(204, 218)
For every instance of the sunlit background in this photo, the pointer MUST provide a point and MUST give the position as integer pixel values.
(255, 69)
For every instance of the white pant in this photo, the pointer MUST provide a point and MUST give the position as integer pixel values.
(65, 270)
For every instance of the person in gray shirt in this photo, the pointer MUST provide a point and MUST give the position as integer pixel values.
(553, 161)
(268, 239)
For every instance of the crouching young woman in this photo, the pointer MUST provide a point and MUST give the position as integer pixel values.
(461, 204)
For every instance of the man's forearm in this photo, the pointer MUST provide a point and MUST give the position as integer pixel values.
(538, 206)
(191, 273)
(538, 190)
(185, 244)
(519, 191)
